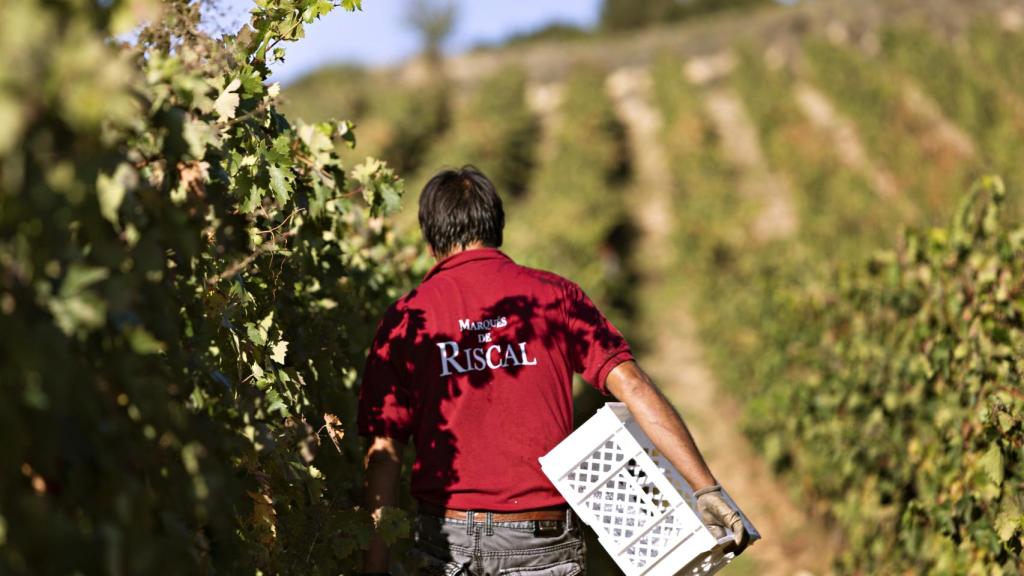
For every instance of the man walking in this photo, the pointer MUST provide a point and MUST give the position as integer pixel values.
(475, 367)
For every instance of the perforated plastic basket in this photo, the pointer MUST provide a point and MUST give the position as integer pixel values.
(638, 504)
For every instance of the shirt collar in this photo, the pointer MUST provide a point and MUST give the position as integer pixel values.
(466, 256)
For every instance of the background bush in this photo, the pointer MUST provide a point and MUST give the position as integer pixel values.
(188, 282)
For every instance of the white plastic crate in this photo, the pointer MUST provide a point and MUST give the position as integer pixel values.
(641, 508)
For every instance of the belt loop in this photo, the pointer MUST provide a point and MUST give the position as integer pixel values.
(490, 524)
(469, 522)
(568, 519)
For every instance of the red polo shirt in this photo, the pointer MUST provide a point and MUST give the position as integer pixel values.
(476, 366)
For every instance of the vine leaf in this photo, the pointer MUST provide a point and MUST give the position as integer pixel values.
(280, 185)
(1008, 522)
(279, 351)
(227, 102)
(392, 524)
(992, 464)
(111, 190)
(335, 431)
(110, 194)
(12, 122)
(143, 342)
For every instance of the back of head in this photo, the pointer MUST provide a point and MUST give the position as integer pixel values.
(458, 208)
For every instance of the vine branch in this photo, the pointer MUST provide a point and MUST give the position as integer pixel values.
(244, 263)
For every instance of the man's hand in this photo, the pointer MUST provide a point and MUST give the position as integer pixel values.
(717, 515)
(663, 425)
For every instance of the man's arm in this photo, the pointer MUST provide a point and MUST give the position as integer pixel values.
(660, 421)
(383, 474)
(663, 425)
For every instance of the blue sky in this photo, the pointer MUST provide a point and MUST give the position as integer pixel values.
(378, 34)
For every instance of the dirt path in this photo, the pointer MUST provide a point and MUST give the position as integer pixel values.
(943, 132)
(630, 89)
(545, 101)
(740, 143)
(850, 149)
(792, 543)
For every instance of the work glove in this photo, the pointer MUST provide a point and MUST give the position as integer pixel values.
(716, 513)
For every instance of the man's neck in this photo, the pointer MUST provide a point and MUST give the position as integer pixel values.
(459, 249)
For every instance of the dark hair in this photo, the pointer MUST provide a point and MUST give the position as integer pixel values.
(459, 207)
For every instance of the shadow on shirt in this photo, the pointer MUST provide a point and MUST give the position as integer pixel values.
(402, 395)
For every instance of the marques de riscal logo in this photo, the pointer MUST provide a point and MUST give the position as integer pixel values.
(482, 325)
(460, 361)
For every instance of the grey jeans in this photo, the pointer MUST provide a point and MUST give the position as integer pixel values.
(482, 547)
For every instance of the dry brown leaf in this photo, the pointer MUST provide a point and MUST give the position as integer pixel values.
(335, 431)
(194, 176)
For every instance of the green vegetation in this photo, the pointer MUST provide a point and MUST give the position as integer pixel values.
(416, 118)
(332, 92)
(396, 124)
(888, 391)
(187, 286)
(834, 204)
(1001, 52)
(874, 96)
(632, 14)
(972, 98)
(576, 207)
(495, 131)
(550, 33)
(901, 408)
(709, 206)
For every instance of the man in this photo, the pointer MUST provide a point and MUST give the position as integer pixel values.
(475, 366)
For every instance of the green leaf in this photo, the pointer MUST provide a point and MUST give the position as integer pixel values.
(390, 198)
(266, 323)
(190, 457)
(280, 185)
(227, 102)
(142, 342)
(111, 194)
(111, 191)
(992, 464)
(393, 524)
(199, 136)
(275, 403)
(280, 151)
(346, 131)
(381, 188)
(256, 336)
(278, 352)
(79, 277)
(252, 200)
(34, 396)
(12, 122)
(78, 313)
(315, 139)
(252, 83)
(1008, 522)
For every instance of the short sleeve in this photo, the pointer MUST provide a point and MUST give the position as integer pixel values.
(384, 402)
(596, 347)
